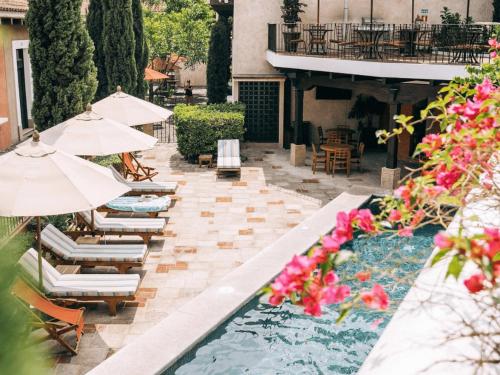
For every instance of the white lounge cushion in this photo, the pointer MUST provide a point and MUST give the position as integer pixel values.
(66, 248)
(91, 285)
(228, 154)
(119, 225)
(146, 187)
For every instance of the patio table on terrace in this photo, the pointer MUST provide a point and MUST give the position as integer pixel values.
(369, 41)
(317, 39)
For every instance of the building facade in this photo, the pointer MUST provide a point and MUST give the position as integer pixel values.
(313, 73)
(16, 89)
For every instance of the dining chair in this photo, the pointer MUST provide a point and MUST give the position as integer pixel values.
(341, 160)
(357, 155)
(321, 135)
(317, 158)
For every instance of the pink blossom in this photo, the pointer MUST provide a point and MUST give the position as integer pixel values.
(405, 232)
(395, 215)
(484, 90)
(434, 141)
(343, 232)
(447, 178)
(376, 323)
(331, 278)
(492, 241)
(475, 283)
(442, 241)
(366, 221)
(377, 298)
(331, 244)
(335, 294)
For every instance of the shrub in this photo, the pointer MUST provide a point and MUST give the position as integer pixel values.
(227, 107)
(219, 62)
(200, 127)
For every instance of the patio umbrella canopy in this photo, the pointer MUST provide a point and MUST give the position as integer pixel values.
(153, 75)
(91, 134)
(38, 180)
(129, 110)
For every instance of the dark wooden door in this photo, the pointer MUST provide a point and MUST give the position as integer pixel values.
(262, 110)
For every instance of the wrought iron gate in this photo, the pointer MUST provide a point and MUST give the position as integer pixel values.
(165, 131)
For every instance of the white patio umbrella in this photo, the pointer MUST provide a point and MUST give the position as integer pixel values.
(38, 180)
(3, 120)
(129, 110)
(91, 134)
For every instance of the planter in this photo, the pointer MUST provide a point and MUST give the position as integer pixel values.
(297, 155)
(290, 39)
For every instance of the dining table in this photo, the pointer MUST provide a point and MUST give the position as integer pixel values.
(369, 40)
(332, 148)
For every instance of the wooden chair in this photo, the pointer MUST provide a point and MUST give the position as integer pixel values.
(146, 187)
(55, 320)
(341, 160)
(337, 137)
(133, 168)
(321, 135)
(317, 159)
(357, 156)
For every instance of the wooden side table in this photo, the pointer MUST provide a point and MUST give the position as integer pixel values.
(205, 159)
(68, 269)
(88, 240)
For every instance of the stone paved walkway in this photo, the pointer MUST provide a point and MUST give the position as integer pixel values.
(214, 226)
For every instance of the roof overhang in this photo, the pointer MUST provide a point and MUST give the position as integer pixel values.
(410, 71)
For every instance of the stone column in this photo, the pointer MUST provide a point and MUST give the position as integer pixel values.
(391, 174)
(298, 149)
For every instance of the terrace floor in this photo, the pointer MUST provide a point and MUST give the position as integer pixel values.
(214, 227)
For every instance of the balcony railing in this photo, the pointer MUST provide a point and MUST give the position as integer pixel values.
(10, 226)
(432, 44)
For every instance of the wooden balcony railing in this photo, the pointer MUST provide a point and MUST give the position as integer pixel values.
(11, 226)
(432, 44)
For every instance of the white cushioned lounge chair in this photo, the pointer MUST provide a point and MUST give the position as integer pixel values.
(142, 227)
(146, 187)
(121, 256)
(228, 156)
(110, 288)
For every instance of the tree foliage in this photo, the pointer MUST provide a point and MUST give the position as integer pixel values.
(64, 74)
(141, 48)
(182, 28)
(119, 45)
(496, 10)
(219, 60)
(95, 23)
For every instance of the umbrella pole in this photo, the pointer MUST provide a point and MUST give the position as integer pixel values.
(92, 221)
(39, 245)
(123, 166)
(317, 18)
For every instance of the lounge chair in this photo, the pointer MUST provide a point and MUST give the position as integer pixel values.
(55, 320)
(110, 288)
(123, 257)
(135, 169)
(228, 156)
(146, 187)
(142, 227)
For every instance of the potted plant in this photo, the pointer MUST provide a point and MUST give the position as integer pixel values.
(290, 11)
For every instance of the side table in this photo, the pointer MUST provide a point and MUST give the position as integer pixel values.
(205, 159)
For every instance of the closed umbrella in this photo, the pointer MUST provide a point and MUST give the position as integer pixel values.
(129, 110)
(91, 134)
(38, 180)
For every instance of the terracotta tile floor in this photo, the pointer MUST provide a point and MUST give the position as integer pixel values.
(215, 226)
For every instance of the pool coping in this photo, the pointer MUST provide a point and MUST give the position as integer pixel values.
(160, 347)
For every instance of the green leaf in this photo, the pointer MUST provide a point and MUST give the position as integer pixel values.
(343, 315)
(496, 258)
(439, 256)
(455, 267)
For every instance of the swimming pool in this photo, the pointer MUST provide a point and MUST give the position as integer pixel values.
(262, 339)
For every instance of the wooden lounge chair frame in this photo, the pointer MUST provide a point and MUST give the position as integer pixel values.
(62, 319)
(139, 193)
(138, 171)
(82, 228)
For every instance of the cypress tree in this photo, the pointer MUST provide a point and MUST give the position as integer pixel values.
(141, 50)
(64, 75)
(119, 45)
(95, 27)
(219, 60)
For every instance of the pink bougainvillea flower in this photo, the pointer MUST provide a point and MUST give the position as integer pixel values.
(331, 278)
(363, 276)
(405, 232)
(475, 283)
(331, 244)
(395, 216)
(366, 221)
(276, 300)
(442, 241)
(492, 242)
(335, 294)
(376, 323)
(447, 178)
(376, 298)
(434, 142)
(343, 232)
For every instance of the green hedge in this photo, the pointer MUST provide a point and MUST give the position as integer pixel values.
(200, 127)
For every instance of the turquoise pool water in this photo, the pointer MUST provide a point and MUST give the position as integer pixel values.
(262, 339)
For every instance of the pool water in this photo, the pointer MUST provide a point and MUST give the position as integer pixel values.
(262, 339)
